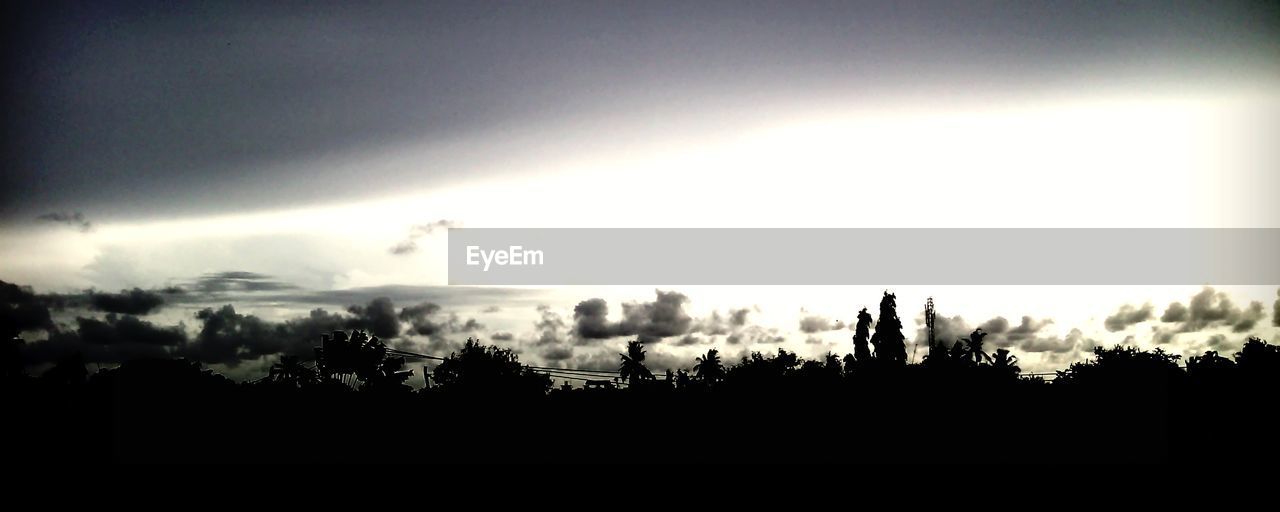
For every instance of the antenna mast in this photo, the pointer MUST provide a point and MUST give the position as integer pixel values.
(928, 319)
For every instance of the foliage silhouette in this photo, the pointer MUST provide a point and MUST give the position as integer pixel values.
(353, 400)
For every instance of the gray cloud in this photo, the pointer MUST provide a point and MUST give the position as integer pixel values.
(1275, 311)
(1127, 316)
(814, 324)
(754, 334)
(1000, 334)
(648, 321)
(1209, 309)
(548, 327)
(238, 281)
(557, 353)
(76, 220)
(410, 244)
(1074, 341)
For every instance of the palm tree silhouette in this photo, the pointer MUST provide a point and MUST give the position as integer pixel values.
(708, 368)
(633, 368)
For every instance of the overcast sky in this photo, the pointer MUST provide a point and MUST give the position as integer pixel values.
(150, 144)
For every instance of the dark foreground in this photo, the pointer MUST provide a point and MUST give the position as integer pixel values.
(1139, 411)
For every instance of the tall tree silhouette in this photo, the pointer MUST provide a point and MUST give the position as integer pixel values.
(708, 368)
(862, 335)
(632, 368)
(888, 339)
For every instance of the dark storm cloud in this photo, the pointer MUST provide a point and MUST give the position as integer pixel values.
(652, 321)
(378, 317)
(21, 310)
(1127, 316)
(129, 302)
(648, 321)
(410, 244)
(227, 337)
(116, 330)
(591, 321)
(161, 106)
(74, 219)
(1209, 309)
(427, 319)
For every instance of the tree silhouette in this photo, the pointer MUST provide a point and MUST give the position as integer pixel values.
(1005, 363)
(350, 359)
(888, 339)
(486, 369)
(632, 367)
(289, 372)
(973, 346)
(708, 368)
(861, 336)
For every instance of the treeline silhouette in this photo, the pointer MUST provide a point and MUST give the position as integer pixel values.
(351, 402)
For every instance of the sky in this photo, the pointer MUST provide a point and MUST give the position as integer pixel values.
(319, 151)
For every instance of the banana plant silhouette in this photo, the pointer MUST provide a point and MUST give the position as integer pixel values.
(973, 346)
(1005, 363)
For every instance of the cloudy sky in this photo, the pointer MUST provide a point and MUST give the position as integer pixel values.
(283, 157)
